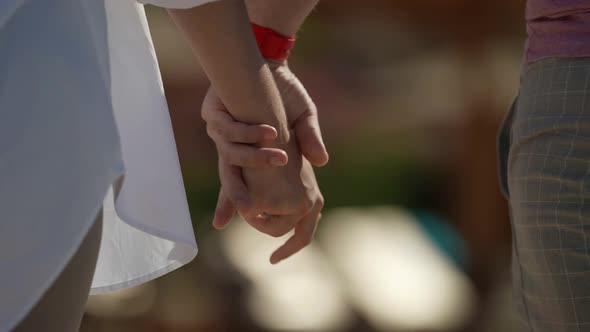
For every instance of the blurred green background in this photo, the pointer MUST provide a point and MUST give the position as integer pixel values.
(415, 234)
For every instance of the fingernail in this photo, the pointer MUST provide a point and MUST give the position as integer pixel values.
(276, 161)
(270, 136)
(216, 224)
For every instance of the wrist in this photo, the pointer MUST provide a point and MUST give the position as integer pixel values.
(275, 65)
(272, 45)
(285, 17)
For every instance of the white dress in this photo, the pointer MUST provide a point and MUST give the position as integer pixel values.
(81, 106)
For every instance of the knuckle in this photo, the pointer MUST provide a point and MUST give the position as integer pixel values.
(313, 109)
(210, 131)
(204, 113)
(213, 132)
(321, 202)
(220, 131)
(306, 204)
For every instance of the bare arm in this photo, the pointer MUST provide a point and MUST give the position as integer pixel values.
(220, 35)
(283, 16)
(286, 17)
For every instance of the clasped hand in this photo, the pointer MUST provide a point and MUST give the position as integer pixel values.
(272, 186)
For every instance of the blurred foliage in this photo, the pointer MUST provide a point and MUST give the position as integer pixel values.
(390, 179)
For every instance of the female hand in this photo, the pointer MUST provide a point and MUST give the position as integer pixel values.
(302, 116)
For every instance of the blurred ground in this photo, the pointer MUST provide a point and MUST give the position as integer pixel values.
(416, 235)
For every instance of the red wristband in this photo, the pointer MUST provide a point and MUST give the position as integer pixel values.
(272, 45)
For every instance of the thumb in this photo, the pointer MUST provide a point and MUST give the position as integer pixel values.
(309, 136)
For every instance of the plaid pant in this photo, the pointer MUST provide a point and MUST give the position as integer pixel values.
(544, 152)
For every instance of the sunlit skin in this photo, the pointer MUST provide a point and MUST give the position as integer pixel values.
(253, 91)
(234, 141)
(251, 146)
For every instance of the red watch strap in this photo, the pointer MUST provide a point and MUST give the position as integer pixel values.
(272, 45)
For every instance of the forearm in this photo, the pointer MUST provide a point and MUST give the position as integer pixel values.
(283, 16)
(219, 34)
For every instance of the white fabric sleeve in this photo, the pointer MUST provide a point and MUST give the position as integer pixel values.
(179, 4)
